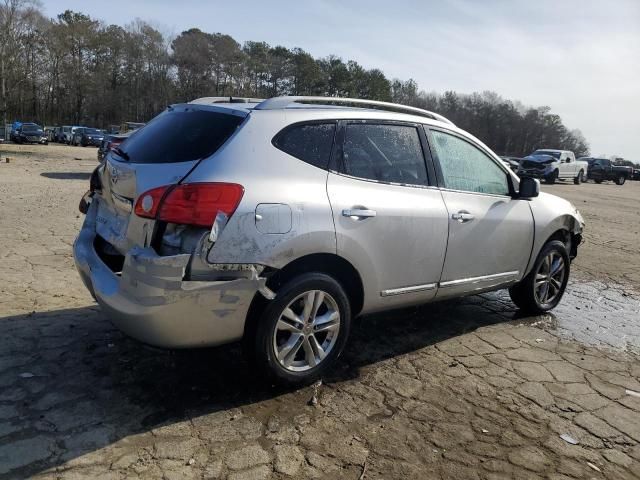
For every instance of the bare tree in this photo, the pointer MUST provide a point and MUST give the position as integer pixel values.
(74, 68)
(15, 19)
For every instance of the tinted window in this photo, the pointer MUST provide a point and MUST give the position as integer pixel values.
(310, 143)
(387, 153)
(465, 167)
(180, 136)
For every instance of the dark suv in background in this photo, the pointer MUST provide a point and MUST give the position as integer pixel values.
(601, 169)
(85, 137)
(29, 133)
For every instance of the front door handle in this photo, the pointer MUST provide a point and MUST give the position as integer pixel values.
(462, 216)
(358, 213)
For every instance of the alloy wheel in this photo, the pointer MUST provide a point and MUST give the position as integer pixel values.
(306, 331)
(549, 279)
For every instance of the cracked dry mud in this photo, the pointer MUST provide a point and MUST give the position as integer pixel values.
(465, 389)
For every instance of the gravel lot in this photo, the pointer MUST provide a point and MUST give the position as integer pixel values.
(466, 389)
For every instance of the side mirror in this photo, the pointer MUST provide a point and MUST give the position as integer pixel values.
(529, 187)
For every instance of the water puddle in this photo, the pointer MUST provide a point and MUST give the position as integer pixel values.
(591, 313)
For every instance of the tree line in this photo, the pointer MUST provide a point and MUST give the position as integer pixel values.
(75, 69)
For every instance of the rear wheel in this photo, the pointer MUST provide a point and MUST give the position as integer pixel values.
(620, 180)
(598, 180)
(542, 289)
(579, 179)
(303, 330)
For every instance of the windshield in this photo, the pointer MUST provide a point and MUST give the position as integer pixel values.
(179, 136)
(91, 131)
(30, 128)
(547, 152)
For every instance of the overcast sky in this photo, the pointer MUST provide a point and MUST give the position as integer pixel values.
(582, 57)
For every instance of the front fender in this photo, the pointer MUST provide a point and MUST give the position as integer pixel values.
(552, 214)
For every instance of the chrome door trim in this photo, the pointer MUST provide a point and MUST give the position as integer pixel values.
(412, 289)
(505, 276)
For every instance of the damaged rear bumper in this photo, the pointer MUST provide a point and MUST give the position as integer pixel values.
(151, 302)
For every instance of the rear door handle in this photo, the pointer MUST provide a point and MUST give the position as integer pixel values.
(357, 213)
(462, 216)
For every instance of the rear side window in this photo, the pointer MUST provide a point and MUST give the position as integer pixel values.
(310, 143)
(386, 153)
(180, 135)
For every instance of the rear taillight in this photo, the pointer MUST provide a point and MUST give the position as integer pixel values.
(190, 204)
(148, 203)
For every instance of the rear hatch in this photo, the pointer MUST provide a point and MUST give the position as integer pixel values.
(160, 154)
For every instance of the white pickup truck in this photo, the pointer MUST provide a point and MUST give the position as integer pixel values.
(552, 165)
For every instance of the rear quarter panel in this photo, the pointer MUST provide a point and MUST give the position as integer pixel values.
(269, 176)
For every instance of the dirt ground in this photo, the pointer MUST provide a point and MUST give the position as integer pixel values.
(466, 389)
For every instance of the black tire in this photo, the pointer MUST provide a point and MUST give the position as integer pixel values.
(551, 179)
(598, 181)
(620, 180)
(524, 293)
(267, 337)
(579, 179)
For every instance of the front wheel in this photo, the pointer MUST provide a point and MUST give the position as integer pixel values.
(552, 177)
(620, 180)
(303, 330)
(542, 289)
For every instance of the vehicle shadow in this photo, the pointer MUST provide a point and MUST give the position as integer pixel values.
(67, 175)
(70, 375)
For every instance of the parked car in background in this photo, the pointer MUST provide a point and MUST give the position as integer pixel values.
(512, 162)
(68, 132)
(50, 133)
(109, 142)
(57, 134)
(552, 165)
(601, 169)
(85, 136)
(130, 127)
(278, 222)
(13, 130)
(636, 173)
(29, 133)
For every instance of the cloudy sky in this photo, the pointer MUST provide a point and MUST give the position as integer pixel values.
(580, 57)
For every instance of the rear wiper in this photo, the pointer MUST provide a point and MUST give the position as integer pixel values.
(121, 153)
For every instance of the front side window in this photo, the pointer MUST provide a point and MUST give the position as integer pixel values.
(465, 167)
(385, 153)
(310, 143)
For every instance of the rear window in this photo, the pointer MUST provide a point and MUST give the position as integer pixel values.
(310, 143)
(179, 136)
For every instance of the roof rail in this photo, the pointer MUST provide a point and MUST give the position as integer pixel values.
(277, 103)
(207, 100)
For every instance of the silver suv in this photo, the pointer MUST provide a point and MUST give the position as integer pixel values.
(278, 221)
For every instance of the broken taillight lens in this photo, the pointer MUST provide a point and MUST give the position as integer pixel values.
(194, 204)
